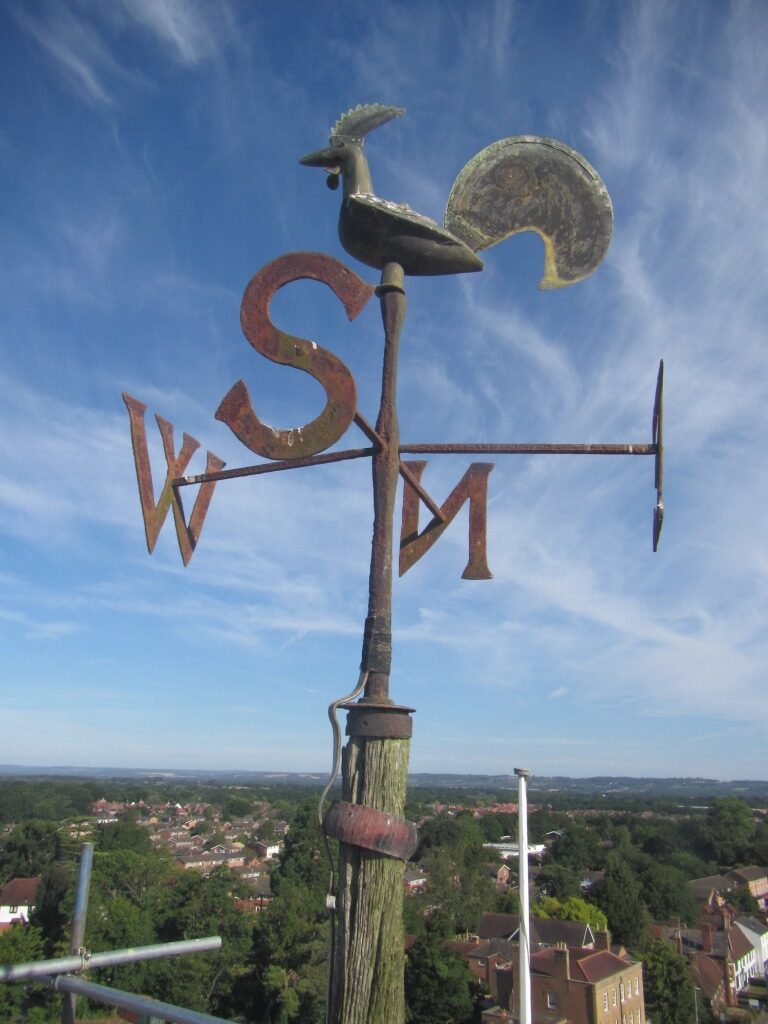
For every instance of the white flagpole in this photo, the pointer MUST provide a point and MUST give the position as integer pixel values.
(524, 983)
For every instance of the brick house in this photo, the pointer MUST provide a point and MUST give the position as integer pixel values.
(575, 986)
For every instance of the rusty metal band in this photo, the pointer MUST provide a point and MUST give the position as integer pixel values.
(370, 829)
(379, 722)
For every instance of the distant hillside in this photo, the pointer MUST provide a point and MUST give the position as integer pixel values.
(598, 785)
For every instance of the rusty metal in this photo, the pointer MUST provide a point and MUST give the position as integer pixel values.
(657, 430)
(154, 515)
(236, 410)
(472, 487)
(274, 467)
(405, 473)
(528, 449)
(363, 826)
(384, 721)
(529, 183)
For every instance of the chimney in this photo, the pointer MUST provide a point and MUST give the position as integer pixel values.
(603, 939)
(706, 937)
(563, 961)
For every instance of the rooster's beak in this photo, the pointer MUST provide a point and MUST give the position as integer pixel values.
(325, 158)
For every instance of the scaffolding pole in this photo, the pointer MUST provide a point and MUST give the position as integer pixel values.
(85, 961)
(128, 1001)
(79, 914)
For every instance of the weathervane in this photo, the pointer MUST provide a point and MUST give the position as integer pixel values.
(524, 183)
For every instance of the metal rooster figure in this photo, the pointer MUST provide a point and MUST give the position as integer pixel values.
(524, 183)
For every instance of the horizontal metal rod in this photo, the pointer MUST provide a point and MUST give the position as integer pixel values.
(420, 449)
(528, 449)
(273, 467)
(68, 964)
(139, 1004)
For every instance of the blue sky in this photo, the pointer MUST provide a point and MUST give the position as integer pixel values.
(149, 167)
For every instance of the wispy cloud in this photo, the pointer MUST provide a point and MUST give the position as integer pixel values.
(31, 630)
(78, 52)
(189, 30)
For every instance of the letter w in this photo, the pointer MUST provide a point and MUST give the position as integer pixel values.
(154, 514)
(473, 486)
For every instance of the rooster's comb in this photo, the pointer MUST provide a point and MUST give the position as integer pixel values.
(356, 123)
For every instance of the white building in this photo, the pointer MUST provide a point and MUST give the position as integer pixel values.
(17, 901)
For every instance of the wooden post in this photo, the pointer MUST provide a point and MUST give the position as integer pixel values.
(370, 957)
(370, 950)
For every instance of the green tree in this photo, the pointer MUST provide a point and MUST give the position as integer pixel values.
(578, 848)
(728, 831)
(235, 806)
(666, 892)
(21, 945)
(124, 834)
(438, 985)
(669, 996)
(744, 901)
(30, 848)
(559, 881)
(507, 902)
(572, 909)
(618, 896)
(53, 909)
(451, 852)
(288, 975)
(193, 908)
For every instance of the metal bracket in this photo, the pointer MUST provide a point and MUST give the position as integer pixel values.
(370, 829)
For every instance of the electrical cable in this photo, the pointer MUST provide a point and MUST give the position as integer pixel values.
(330, 899)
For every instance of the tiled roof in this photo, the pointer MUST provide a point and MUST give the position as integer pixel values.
(586, 965)
(497, 947)
(19, 892)
(704, 885)
(709, 975)
(497, 926)
(463, 948)
(752, 924)
(728, 944)
(749, 874)
(597, 965)
(543, 931)
(548, 931)
(740, 944)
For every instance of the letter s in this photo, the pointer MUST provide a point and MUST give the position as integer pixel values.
(236, 410)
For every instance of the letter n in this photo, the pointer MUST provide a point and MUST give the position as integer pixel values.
(154, 514)
(473, 486)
